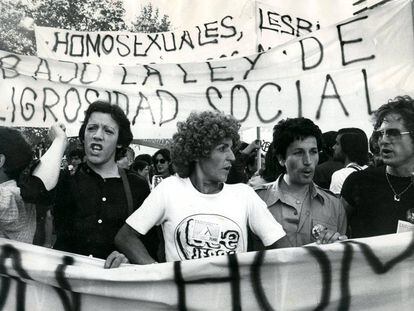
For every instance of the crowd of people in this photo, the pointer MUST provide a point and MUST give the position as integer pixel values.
(204, 195)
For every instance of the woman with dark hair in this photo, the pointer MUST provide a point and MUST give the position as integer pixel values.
(91, 205)
(161, 161)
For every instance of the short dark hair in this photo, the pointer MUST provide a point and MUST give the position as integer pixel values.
(125, 134)
(16, 150)
(131, 152)
(76, 153)
(354, 143)
(328, 141)
(291, 129)
(272, 167)
(144, 157)
(139, 165)
(198, 136)
(402, 105)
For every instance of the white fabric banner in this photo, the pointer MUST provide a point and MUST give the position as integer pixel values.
(224, 37)
(365, 274)
(221, 29)
(280, 21)
(335, 76)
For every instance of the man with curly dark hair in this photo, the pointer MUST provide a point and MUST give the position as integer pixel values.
(91, 205)
(307, 212)
(200, 215)
(378, 197)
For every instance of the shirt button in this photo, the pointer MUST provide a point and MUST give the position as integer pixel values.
(307, 213)
(104, 199)
(297, 202)
(295, 212)
(99, 221)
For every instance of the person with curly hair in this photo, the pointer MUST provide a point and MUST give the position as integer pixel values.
(377, 198)
(17, 218)
(200, 215)
(307, 212)
(91, 205)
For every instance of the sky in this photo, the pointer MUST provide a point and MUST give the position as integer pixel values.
(176, 10)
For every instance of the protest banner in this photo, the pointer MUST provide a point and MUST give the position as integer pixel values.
(216, 31)
(279, 22)
(336, 76)
(223, 37)
(362, 274)
(205, 33)
(282, 21)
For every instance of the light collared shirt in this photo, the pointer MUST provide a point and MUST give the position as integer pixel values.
(299, 217)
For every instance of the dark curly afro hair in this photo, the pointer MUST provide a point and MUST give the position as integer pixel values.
(198, 136)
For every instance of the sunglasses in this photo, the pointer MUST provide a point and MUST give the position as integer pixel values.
(162, 161)
(392, 134)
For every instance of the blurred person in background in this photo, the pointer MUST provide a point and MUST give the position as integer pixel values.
(127, 159)
(162, 166)
(327, 165)
(17, 218)
(351, 149)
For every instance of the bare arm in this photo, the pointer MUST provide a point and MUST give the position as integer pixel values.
(128, 241)
(49, 167)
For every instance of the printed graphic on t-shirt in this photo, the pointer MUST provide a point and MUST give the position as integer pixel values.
(206, 235)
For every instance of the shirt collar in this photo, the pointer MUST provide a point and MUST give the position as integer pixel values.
(275, 193)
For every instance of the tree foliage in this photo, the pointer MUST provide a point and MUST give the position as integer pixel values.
(13, 37)
(149, 21)
(98, 15)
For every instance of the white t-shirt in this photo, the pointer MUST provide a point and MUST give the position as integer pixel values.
(339, 176)
(197, 225)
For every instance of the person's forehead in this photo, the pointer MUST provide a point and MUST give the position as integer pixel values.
(226, 141)
(159, 156)
(309, 141)
(394, 119)
(102, 117)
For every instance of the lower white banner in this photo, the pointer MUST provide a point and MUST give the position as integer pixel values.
(374, 273)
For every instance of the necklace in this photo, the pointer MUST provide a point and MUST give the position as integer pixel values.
(397, 196)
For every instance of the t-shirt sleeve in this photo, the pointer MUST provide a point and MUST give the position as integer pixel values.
(262, 222)
(150, 213)
(335, 184)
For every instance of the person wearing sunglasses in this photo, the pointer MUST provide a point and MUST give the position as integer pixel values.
(201, 216)
(162, 166)
(378, 197)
